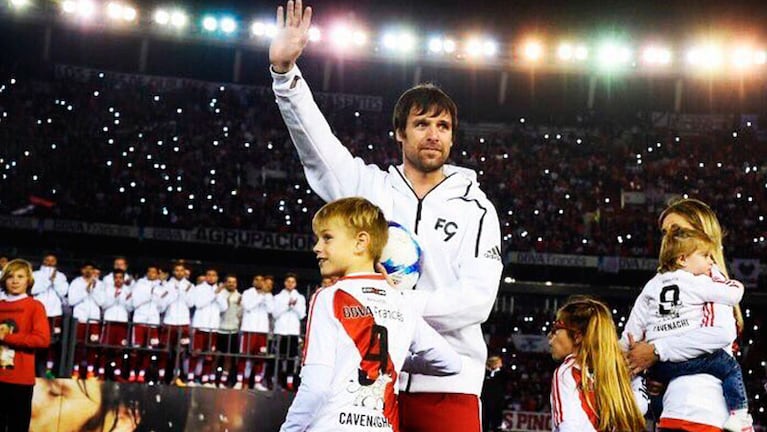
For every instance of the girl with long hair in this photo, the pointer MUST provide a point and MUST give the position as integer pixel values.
(591, 390)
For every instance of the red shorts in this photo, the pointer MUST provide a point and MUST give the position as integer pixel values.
(173, 335)
(203, 341)
(253, 343)
(439, 412)
(145, 335)
(92, 330)
(115, 333)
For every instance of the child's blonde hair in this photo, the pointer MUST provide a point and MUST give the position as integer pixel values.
(12, 267)
(604, 369)
(678, 242)
(356, 215)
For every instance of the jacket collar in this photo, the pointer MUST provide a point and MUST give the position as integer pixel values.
(458, 181)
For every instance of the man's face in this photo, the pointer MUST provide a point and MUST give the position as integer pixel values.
(258, 282)
(86, 271)
(120, 264)
(50, 261)
(231, 284)
(426, 140)
(152, 273)
(119, 280)
(290, 283)
(179, 272)
(211, 277)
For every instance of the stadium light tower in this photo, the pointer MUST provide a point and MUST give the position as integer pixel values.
(706, 57)
(613, 55)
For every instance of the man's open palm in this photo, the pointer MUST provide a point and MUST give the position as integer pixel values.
(292, 35)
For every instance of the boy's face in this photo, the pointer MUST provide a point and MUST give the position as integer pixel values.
(697, 263)
(211, 277)
(334, 248)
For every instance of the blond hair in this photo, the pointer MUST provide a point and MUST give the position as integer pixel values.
(700, 216)
(12, 267)
(678, 242)
(357, 215)
(604, 369)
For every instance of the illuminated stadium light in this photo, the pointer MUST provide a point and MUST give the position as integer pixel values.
(271, 31)
(707, 56)
(315, 35)
(439, 45)
(20, 4)
(161, 16)
(656, 55)
(342, 37)
(69, 6)
(120, 12)
(402, 41)
(742, 57)
(258, 28)
(613, 55)
(566, 52)
(209, 23)
(533, 51)
(83, 8)
(476, 47)
(228, 25)
(760, 57)
(178, 19)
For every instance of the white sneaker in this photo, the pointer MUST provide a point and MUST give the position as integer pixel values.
(739, 421)
(238, 386)
(260, 387)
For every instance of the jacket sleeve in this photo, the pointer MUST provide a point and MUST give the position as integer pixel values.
(300, 307)
(38, 337)
(203, 296)
(430, 354)
(469, 299)
(331, 170)
(222, 300)
(249, 300)
(699, 341)
(637, 322)
(704, 289)
(41, 285)
(280, 305)
(99, 294)
(77, 292)
(60, 285)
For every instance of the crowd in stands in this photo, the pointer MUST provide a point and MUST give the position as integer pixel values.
(110, 148)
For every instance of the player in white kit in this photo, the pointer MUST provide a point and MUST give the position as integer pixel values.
(361, 332)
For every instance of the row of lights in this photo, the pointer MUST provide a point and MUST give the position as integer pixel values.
(345, 37)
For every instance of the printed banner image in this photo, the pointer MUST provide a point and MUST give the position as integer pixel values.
(69, 405)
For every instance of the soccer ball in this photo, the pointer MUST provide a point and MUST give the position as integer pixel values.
(402, 257)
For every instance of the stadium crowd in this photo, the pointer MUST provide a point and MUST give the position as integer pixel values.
(202, 154)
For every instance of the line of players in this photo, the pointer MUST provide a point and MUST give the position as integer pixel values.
(163, 327)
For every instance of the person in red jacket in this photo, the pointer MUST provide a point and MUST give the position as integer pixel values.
(23, 329)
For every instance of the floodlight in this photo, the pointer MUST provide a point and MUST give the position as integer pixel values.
(315, 35)
(258, 28)
(209, 23)
(178, 19)
(228, 25)
(162, 17)
(20, 4)
(533, 51)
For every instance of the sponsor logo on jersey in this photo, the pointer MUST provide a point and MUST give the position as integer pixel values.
(373, 290)
(359, 311)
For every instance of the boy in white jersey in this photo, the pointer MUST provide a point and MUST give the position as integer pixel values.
(360, 332)
(680, 298)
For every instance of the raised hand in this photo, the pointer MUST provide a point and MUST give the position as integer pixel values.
(292, 35)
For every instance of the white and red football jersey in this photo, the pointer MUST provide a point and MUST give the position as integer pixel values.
(361, 331)
(676, 302)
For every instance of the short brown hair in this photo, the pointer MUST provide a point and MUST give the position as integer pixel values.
(12, 267)
(357, 215)
(679, 242)
(424, 98)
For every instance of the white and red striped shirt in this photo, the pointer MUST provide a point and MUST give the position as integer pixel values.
(359, 334)
(571, 408)
(676, 302)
